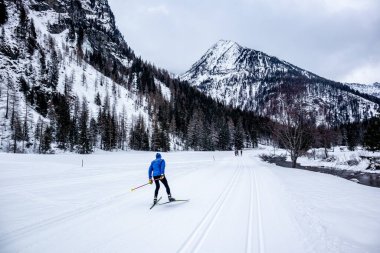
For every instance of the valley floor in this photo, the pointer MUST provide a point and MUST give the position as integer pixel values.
(237, 204)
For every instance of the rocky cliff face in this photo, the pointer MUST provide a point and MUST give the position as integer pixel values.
(252, 80)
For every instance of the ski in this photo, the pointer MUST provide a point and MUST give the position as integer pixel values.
(155, 203)
(177, 200)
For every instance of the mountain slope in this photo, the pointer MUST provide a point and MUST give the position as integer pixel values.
(371, 89)
(51, 52)
(252, 80)
(69, 80)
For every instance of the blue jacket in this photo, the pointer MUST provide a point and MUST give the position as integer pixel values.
(157, 167)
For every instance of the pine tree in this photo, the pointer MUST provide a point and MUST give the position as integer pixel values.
(24, 86)
(16, 125)
(93, 133)
(67, 86)
(139, 136)
(2, 37)
(352, 137)
(10, 87)
(97, 100)
(372, 135)
(224, 136)
(32, 38)
(84, 80)
(156, 138)
(195, 131)
(73, 135)
(46, 140)
(239, 136)
(165, 141)
(84, 145)
(27, 127)
(214, 136)
(231, 130)
(38, 135)
(3, 13)
(123, 129)
(23, 23)
(63, 120)
(53, 70)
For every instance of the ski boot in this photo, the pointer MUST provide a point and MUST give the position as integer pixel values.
(171, 198)
(155, 201)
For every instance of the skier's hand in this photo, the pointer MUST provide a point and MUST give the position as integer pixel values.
(150, 181)
(162, 176)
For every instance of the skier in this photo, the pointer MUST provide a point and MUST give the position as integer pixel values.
(157, 168)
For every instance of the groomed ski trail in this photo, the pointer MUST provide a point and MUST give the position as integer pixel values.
(254, 206)
(238, 204)
(197, 237)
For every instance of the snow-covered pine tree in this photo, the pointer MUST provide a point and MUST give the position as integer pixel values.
(372, 135)
(84, 142)
(46, 140)
(239, 136)
(139, 136)
(3, 13)
(224, 136)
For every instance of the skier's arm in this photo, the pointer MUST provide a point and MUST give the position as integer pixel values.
(162, 167)
(150, 170)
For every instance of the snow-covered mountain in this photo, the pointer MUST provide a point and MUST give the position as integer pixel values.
(371, 89)
(252, 80)
(53, 50)
(68, 79)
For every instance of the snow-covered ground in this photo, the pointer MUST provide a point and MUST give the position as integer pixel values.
(340, 158)
(237, 204)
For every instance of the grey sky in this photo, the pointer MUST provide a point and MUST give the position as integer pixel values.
(336, 39)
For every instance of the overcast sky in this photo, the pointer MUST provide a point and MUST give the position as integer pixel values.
(336, 39)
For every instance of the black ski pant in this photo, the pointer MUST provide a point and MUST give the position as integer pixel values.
(157, 182)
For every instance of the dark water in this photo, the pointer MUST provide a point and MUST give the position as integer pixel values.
(365, 178)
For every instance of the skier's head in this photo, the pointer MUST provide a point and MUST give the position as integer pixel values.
(158, 155)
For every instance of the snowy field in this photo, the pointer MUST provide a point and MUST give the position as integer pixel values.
(237, 204)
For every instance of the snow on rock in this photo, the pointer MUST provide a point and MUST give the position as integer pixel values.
(166, 93)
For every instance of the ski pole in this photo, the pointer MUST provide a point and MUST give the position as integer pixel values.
(142, 185)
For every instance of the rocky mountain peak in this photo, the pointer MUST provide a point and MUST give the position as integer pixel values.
(228, 58)
(255, 81)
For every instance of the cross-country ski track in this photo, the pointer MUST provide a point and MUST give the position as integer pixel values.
(237, 204)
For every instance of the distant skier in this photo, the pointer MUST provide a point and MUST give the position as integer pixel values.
(241, 152)
(157, 170)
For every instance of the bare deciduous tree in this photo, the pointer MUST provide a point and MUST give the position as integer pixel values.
(294, 130)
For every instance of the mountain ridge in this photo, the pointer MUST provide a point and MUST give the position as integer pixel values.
(252, 80)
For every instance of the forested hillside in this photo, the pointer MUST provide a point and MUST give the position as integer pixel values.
(70, 81)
